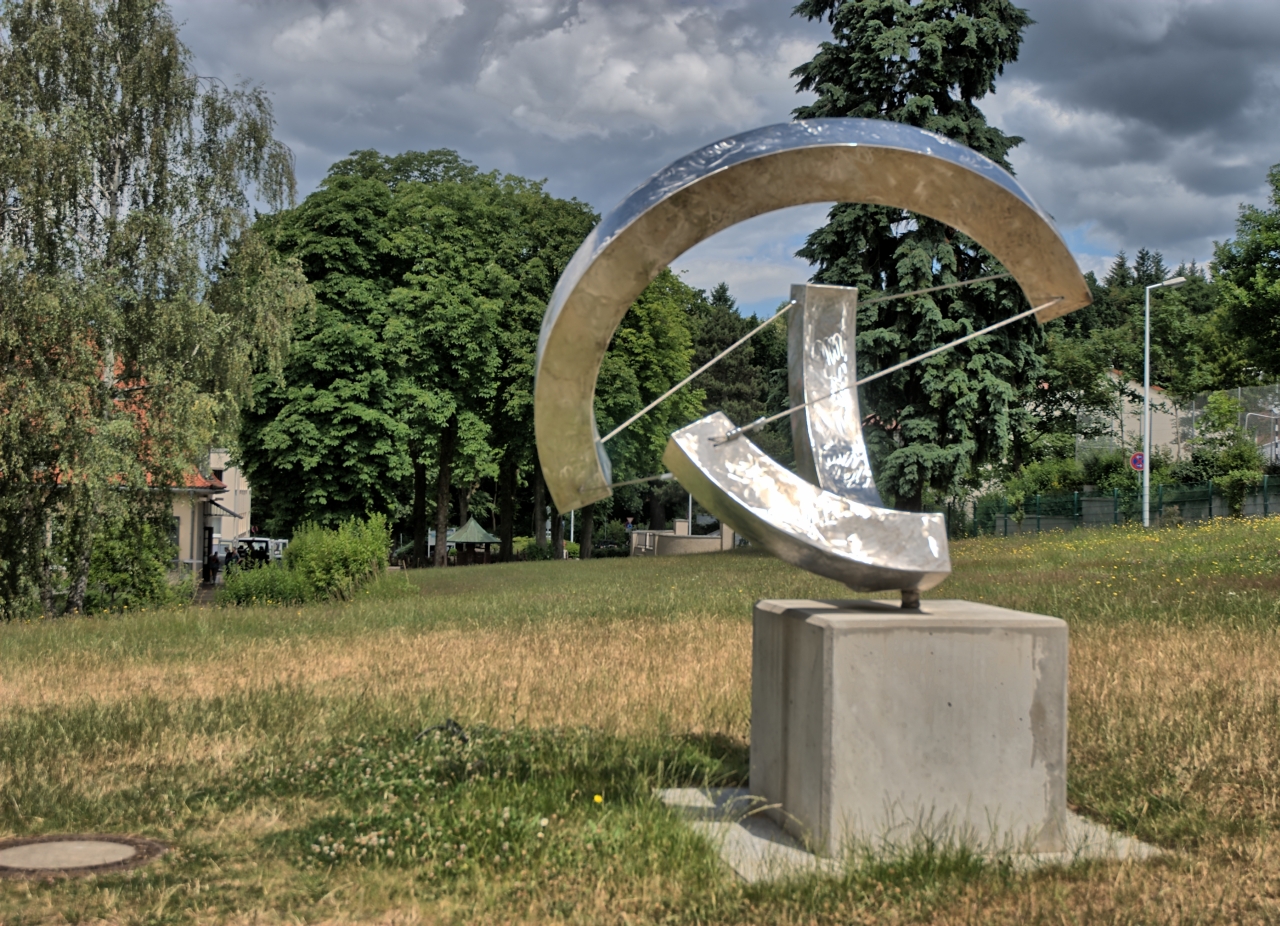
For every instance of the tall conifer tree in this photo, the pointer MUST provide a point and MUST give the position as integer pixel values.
(923, 64)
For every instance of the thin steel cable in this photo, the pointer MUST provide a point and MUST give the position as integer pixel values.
(934, 289)
(696, 373)
(663, 477)
(761, 422)
(760, 327)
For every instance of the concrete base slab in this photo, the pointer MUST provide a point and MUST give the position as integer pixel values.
(755, 847)
(758, 849)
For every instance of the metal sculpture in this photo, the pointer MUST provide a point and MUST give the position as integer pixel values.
(829, 519)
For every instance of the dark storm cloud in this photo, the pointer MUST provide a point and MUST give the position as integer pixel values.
(1147, 121)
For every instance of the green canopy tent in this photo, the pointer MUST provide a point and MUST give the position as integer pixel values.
(471, 534)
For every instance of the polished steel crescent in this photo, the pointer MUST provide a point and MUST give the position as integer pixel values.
(827, 517)
(869, 549)
(822, 160)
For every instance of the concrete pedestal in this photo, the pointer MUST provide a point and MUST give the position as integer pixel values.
(874, 725)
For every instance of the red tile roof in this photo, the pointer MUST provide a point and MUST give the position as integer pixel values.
(197, 481)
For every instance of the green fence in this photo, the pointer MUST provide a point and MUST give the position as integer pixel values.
(1170, 504)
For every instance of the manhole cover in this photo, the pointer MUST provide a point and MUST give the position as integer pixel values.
(43, 856)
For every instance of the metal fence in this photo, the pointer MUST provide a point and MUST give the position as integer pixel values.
(991, 514)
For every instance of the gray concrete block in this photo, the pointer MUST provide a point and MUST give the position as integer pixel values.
(876, 725)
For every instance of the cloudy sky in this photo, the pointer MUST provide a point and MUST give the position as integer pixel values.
(1147, 122)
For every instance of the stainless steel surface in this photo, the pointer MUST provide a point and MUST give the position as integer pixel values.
(821, 372)
(865, 547)
(885, 371)
(823, 160)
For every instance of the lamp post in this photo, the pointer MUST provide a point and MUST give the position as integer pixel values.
(1146, 397)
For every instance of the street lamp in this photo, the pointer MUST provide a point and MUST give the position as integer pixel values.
(1146, 397)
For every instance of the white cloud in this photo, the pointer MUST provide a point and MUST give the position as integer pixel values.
(621, 68)
(383, 33)
(1146, 122)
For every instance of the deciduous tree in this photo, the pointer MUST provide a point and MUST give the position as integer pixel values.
(126, 182)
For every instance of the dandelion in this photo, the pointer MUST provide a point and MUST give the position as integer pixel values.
(599, 798)
(543, 822)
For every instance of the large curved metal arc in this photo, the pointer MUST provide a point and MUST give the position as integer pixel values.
(869, 549)
(832, 160)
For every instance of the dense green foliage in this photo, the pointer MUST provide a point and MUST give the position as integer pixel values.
(1248, 271)
(129, 568)
(431, 279)
(126, 337)
(319, 562)
(268, 584)
(337, 561)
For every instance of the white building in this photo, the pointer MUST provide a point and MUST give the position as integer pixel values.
(210, 511)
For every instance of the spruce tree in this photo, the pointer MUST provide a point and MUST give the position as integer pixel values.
(924, 64)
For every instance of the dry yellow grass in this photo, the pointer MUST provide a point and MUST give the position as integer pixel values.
(625, 677)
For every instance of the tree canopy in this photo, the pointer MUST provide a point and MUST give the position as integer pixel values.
(1249, 271)
(431, 280)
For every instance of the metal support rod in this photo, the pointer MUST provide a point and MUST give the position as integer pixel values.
(661, 477)
(760, 327)
(696, 373)
(934, 289)
(761, 422)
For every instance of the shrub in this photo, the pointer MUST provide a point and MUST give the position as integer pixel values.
(1045, 477)
(129, 567)
(338, 561)
(318, 563)
(611, 539)
(270, 584)
(1223, 452)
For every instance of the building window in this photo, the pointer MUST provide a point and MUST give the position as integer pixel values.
(175, 526)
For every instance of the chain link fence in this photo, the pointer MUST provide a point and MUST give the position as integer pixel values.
(1170, 504)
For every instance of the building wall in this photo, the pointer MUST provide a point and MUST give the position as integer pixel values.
(190, 515)
(237, 497)
(193, 511)
(1125, 430)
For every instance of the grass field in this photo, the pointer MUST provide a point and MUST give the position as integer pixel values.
(275, 748)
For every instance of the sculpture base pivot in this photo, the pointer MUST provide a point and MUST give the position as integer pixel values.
(874, 726)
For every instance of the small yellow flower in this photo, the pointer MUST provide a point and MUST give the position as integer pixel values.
(599, 798)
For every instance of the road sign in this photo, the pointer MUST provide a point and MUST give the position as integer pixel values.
(1136, 461)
